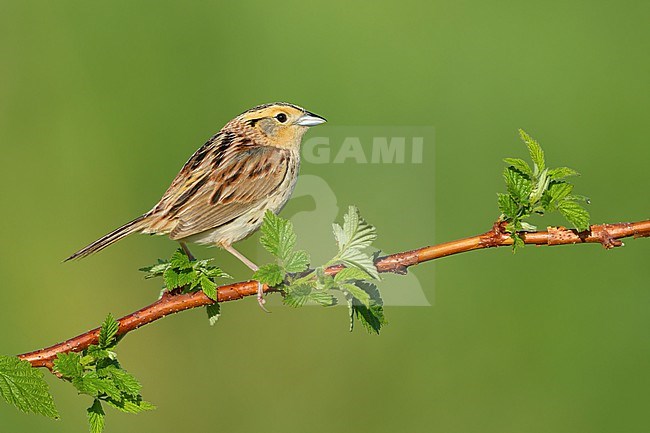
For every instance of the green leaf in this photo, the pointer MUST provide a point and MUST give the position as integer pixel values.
(575, 214)
(108, 332)
(520, 165)
(90, 383)
(535, 150)
(155, 270)
(171, 278)
(209, 287)
(214, 311)
(519, 187)
(97, 353)
(68, 365)
(96, 417)
(561, 173)
(179, 277)
(559, 190)
(125, 382)
(297, 261)
(357, 259)
(270, 274)
(372, 318)
(349, 274)
(277, 235)
(297, 295)
(507, 206)
(356, 233)
(24, 386)
(540, 187)
(518, 242)
(358, 293)
(322, 298)
(179, 260)
(214, 272)
(130, 404)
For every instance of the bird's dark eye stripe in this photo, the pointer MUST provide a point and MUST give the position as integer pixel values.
(281, 117)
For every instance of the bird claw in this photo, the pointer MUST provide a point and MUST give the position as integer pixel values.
(260, 297)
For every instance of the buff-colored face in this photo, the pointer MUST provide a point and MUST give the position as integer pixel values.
(281, 125)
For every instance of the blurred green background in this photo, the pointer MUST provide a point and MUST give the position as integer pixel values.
(102, 102)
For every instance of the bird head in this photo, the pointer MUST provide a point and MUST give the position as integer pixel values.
(279, 124)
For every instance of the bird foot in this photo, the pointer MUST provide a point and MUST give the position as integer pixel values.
(260, 297)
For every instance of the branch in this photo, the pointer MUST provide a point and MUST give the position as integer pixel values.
(608, 235)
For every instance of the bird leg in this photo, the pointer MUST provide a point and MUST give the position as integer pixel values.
(188, 253)
(254, 268)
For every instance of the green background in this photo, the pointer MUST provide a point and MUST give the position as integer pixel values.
(102, 102)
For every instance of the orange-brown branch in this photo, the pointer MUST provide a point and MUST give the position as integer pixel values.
(608, 235)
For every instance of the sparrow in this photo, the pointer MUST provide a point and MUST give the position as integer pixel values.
(222, 192)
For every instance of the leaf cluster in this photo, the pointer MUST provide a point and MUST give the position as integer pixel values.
(355, 282)
(538, 190)
(186, 275)
(96, 372)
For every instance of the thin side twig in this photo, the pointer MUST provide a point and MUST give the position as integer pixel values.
(608, 235)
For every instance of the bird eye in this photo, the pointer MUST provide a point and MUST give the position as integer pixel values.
(281, 117)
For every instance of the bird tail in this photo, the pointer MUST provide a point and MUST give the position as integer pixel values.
(131, 227)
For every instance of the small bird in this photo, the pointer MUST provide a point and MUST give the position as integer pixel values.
(222, 192)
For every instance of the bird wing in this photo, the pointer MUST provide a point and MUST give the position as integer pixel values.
(221, 185)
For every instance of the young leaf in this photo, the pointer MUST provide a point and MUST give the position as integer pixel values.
(270, 274)
(519, 187)
(355, 233)
(507, 206)
(535, 150)
(277, 235)
(562, 172)
(179, 260)
(155, 270)
(130, 404)
(214, 311)
(24, 386)
(322, 298)
(297, 295)
(297, 261)
(213, 272)
(108, 332)
(520, 165)
(123, 380)
(540, 187)
(518, 242)
(349, 274)
(358, 293)
(96, 417)
(372, 317)
(559, 190)
(68, 365)
(357, 259)
(575, 214)
(90, 383)
(177, 277)
(209, 287)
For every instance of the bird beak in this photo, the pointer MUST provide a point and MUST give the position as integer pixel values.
(310, 119)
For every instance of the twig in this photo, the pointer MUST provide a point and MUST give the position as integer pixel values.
(607, 235)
